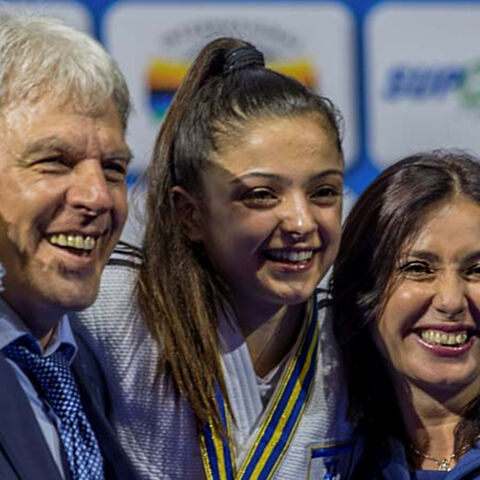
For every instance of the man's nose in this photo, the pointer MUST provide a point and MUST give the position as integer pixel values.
(90, 189)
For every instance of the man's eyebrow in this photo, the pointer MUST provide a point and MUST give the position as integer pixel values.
(55, 143)
(124, 154)
(48, 143)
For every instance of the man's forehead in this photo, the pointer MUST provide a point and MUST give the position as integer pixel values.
(52, 104)
(50, 116)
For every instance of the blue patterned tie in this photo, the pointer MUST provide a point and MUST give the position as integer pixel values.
(55, 382)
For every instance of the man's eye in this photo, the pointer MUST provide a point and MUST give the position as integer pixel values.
(417, 269)
(53, 163)
(115, 170)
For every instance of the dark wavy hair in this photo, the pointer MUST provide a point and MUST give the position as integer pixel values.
(178, 289)
(386, 216)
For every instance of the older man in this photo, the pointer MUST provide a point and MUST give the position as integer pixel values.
(63, 160)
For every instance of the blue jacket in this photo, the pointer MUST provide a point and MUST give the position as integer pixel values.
(394, 466)
(24, 454)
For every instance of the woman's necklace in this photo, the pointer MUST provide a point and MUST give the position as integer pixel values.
(443, 464)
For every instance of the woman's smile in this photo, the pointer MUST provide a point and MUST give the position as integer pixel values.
(429, 327)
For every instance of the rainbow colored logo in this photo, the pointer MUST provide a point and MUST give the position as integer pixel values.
(164, 77)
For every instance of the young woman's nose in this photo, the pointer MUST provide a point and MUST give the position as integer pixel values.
(297, 216)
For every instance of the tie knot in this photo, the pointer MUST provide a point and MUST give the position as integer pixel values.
(51, 375)
(26, 341)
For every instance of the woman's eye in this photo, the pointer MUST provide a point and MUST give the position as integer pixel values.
(417, 269)
(261, 197)
(473, 271)
(326, 194)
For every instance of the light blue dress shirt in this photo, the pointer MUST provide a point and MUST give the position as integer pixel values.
(13, 327)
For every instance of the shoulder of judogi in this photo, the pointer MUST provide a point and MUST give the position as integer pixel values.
(126, 255)
(112, 326)
(323, 298)
(119, 278)
(115, 308)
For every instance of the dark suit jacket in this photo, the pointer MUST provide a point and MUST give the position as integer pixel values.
(24, 454)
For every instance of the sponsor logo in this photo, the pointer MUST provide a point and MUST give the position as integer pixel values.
(164, 74)
(420, 83)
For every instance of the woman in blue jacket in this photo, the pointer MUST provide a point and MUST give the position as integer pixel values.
(406, 289)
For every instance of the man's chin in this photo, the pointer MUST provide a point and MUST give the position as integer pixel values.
(76, 300)
(71, 296)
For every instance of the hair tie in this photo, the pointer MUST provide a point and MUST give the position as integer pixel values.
(242, 57)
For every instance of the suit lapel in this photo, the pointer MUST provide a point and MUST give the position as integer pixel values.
(20, 434)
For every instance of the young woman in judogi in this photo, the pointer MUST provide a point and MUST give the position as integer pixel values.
(218, 353)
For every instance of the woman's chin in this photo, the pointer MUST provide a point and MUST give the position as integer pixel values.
(443, 384)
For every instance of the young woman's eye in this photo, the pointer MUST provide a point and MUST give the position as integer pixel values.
(259, 197)
(417, 269)
(326, 194)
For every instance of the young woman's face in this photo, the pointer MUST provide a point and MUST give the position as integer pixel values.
(272, 218)
(430, 325)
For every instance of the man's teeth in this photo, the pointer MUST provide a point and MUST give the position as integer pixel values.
(291, 256)
(78, 242)
(444, 338)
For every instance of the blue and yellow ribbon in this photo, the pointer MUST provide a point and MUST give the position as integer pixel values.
(279, 424)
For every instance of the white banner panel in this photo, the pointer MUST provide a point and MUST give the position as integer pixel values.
(422, 78)
(73, 14)
(155, 42)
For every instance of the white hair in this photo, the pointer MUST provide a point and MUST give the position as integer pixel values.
(41, 57)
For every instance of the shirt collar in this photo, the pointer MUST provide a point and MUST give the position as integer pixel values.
(12, 327)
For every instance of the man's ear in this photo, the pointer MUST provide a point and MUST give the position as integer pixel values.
(188, 212)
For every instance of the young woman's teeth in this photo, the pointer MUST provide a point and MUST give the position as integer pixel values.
(291, 256)
(444, 338)
(79, 242)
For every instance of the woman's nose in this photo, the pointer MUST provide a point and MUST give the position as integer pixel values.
(450, 295)
(297, 216)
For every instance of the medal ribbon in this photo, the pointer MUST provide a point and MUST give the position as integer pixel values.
(279, 423)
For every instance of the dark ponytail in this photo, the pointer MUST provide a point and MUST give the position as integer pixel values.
(226, 87)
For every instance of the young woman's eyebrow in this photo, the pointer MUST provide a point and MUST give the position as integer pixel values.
(279, 178)
(420, 255)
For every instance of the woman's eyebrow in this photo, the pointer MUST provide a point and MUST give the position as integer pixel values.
(421, 255)
(471, 257)
(280, 178)
(325, 173)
